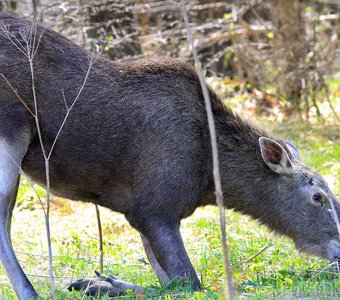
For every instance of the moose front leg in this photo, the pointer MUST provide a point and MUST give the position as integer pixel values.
(163, 277)
(11, 155)
(111, 286)
(168, 249)
(167, 255)
(157, 208)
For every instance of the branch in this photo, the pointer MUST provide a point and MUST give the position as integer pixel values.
(101, 257)
(68, 110)
(216, 170)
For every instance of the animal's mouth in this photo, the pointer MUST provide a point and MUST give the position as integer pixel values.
(333, 250)
(330, 251)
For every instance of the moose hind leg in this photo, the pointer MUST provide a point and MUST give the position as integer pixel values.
(10, 158)
(11, 207)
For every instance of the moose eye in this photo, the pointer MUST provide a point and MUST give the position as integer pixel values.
(317, 198)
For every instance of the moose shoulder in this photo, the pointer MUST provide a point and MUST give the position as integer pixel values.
(137, 142)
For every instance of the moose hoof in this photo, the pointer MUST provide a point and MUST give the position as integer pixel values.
(104, 285)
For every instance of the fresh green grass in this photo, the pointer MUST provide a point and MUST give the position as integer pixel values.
(278, 272)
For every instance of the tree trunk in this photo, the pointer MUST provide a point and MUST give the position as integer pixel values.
(291, 40)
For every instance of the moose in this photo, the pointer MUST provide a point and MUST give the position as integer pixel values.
(137, 142)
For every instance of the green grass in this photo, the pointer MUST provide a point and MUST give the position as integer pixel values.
(276, 273)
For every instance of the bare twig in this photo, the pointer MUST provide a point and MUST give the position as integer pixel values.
(28, 179)
(68, 110)
(17, 94)
(335, 215)
(101, 256)
(32, 41)
(332, 264)
(216, 171)
(46, 276)
(13, 39)
(32, 49)
(330, 104)
(244, 263)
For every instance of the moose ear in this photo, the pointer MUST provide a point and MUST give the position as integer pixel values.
(275, 156)
(293, 150)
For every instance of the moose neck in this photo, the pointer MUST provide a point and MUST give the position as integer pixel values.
(244, 175)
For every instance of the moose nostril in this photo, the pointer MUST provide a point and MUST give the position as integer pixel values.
(335, 258)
